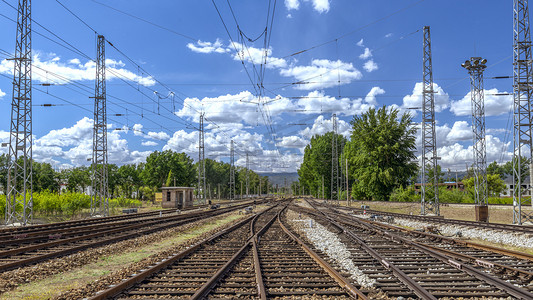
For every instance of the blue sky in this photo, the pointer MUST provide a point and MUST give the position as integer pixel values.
(172, 60)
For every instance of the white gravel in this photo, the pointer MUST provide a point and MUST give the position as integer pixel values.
(329, 243)
(494, 236)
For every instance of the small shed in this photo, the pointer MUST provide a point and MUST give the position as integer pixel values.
(177, 197)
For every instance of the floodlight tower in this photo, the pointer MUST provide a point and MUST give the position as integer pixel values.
(475, 67)
(232, 172)
(430, 202)
(522, 94)
(99, 190)
(20, 181)
(202, 192)
(334, 161)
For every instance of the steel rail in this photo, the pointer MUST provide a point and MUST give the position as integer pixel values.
(404, 278)
(341, 280)
(501, 284)
(114, 290)
(66, 225)
(261, 291)
(473, 260)
(207, 287)
(496, 226)
(157, 226)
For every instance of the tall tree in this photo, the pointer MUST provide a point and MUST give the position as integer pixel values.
(317, 164)
(4, 166)
(159, 164)
(44, 177)
(381, 152)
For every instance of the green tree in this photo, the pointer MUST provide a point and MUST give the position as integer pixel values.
(4, 165)
(317, 164)
(524, 167)
(129, 179)
(381, 152)
(495, 185)
(78, 179)
(158, 164)
(44, 177)
(430, 171)
(169, 179)
(494, 168)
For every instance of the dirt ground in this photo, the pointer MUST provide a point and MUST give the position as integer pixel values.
(497, 213)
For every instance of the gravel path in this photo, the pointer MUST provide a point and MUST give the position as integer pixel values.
(330, 244)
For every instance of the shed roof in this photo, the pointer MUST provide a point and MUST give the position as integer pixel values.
(177, 188)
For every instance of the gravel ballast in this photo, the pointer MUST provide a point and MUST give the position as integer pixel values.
(330, 244)
(489, 235)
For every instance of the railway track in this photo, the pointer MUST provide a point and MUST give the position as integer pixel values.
(257, 258)
(440, 220)
(24, 246)
(413, 264)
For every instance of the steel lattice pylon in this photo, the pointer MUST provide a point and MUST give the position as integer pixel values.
(430, 203)
(475, 67)
(522, 92)
(334, 161)
(232, 172)
(202, 191)
(19, 204)
(100, 191)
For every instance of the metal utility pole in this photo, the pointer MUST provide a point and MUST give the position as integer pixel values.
(347, 187)
(475, 67)
(202, 194)
(20, 181)
(100, 191)
(522, 93)
(232, 173)
(247, 176)
(322, 187)
(430, 203)
(334, 161)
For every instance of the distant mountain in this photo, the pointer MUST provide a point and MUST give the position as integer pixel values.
(279, 178)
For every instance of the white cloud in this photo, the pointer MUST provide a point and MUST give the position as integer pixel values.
(234, 108)
(366, 55)
(292, 142)
(415, 99)
(292, 4)
(322, 73)
(388, 35)
(158, 135)
(207, 47)
(318, 5)
(79, 132)
(461, 131)
(322, 126)
(494, 105)
(360, 43)
(2, 94)
(257, 56)
(46, 70)
(138, 129)
(149, 143)
(317, 102)
(457, 156)
(370, 66)
(371, 96)
(75, 145)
